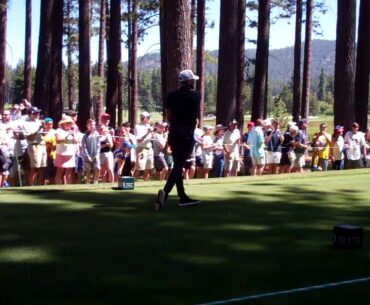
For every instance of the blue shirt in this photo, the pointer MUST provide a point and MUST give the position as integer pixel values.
(256, 140)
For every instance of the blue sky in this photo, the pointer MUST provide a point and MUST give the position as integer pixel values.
(281, 35)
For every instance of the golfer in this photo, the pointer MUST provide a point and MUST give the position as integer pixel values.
(182, 109)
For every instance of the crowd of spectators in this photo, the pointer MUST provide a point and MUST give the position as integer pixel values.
(32, 152)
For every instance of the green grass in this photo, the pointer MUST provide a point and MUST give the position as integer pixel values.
(83, 245)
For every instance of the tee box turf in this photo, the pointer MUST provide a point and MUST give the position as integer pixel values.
(347, 236)
(126, 183)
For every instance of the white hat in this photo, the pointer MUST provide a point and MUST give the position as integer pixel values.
(186, 75)
(145, 114)
(207, 127)
(293, 128)
(219, 127)
(268, 122)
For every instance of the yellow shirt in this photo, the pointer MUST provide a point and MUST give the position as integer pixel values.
(50, 142)
(323, 144)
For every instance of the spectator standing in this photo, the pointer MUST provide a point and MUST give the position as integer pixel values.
(256, 142)
(247, 160)
(159, 144)
(218, 151)
(274, 139)
(50, 144)
(321, 140)
(367, 140)
(355, 146)
(286, 152)
(337, 148)
(199, 161)
(65, 159)
(298, 145)
(231, 149)
(106, 154)
(144, 153)
(36, 149)
(207, 150)
(182, 108)
(91, 152)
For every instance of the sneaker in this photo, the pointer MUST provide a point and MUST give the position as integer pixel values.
(161, 198)
(6, 184)
(188, 202)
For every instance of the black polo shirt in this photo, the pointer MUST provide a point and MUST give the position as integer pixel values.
(184, 107)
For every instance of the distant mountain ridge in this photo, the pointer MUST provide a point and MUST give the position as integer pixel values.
(281, 61)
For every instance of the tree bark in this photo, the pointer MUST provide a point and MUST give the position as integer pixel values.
(69, 56)
(175, 42)
(297, 63)
(3, 17)
(56, 102)
(307, 62)
(27, 74)
(102, 31)
(363, 66)
(163, 59)
(227, 62)
(133, 63)
(42, 83)
(345, 64)
(262, 53)
(84, 68)
(240, 79)
(193, 10)
(201, 24)
(114, 60)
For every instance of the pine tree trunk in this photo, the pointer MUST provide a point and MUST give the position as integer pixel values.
(129, 46)
(175, 42)
(193, 9)
(164, 90)
(363, 66)
(84, 103)
(227, 62)
(27, 74)
(69, 57)
(120, 100)
(3, 14)
(262, 53)
(102, 31)
(307, 61)
(265, 102)
(42, 83)
(240, 79)
(201, 23)
(114, 60)
(56, 102)
(297, 63)
(133, 63)
(345, 64)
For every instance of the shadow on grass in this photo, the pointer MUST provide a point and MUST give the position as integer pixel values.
(110, 247)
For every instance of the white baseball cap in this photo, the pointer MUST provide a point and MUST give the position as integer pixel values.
(186, 75)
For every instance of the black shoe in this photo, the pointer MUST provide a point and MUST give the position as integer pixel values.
(161, 198)
(188, 202)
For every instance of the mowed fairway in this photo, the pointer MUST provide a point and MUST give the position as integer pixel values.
(94, 245)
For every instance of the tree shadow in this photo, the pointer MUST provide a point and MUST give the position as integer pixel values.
(110, 247)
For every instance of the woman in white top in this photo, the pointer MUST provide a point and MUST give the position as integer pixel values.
(336, 149)
(207, 150)
(106, 154)
(65, 160)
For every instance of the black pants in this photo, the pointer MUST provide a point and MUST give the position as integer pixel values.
(181, 150)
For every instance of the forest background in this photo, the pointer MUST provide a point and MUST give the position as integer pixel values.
(148, 80)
